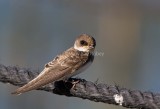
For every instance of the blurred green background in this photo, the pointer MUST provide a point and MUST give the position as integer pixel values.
(33, 32)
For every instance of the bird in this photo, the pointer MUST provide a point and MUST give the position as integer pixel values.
(69, 63)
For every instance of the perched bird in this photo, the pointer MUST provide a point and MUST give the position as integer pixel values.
(69, 63)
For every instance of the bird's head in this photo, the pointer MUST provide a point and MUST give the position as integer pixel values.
(85, 43)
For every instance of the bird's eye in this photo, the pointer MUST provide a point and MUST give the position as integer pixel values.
(84, 43)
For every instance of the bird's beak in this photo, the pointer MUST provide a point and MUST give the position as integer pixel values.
(91, 47)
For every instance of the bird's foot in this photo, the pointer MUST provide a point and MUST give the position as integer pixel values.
(74, 83)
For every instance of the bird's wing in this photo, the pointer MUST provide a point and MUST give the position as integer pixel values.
(62, 66)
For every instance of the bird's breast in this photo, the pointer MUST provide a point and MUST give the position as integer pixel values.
(83, 67)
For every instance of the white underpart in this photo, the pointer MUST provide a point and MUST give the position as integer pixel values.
(81, 48)
(118, 98)
(80, 70)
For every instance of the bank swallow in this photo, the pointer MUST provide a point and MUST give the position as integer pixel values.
(69, 63)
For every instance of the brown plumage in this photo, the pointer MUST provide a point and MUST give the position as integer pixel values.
(64, 65)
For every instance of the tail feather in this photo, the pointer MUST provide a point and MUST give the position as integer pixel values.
(16, 92)
(32, 85)
(29, 86)
(45, 77)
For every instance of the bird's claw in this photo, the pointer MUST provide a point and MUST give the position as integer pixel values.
(74, 83)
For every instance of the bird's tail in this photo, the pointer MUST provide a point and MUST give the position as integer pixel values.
(37, 82)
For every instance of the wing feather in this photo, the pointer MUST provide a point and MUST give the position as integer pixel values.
(61, 67)
(47, 76)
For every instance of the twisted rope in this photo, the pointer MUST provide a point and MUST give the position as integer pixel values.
(111, 94)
